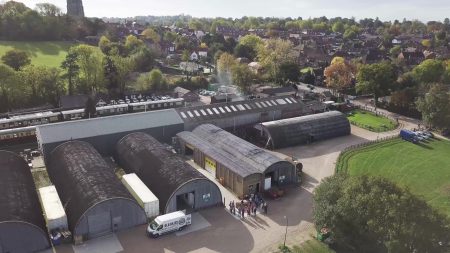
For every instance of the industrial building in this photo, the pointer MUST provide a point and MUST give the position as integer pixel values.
(239, 165)
(22, 226)
(233, 115)
(305, 129)
(103, 133)
(95, 200)
(177, 185)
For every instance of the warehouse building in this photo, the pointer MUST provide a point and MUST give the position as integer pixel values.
(96, 202)
(239, 165)
(103, 133)
(22, 226)
(177, 185)
(305, 129)
(233, 115)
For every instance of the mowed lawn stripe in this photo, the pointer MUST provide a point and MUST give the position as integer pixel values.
(424, 168)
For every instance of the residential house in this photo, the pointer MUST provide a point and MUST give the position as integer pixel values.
(411, 56)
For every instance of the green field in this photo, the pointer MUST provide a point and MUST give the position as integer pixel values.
(312, 246)
(370, 121)
(50, 53)
(423, 168)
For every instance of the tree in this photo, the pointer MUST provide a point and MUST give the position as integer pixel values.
(72, 69)
(273, 54)
(245, 51)
(377, 79)
(91, 108)
(429, 71)
(242, 76)
(143, 59)
(426, 43)
(132, 43)
(150, 34)
(16, 59)
(373, 214)
(435, 106)
(395, 51)
(340, 74)
(151, 81)
(90, 61)
(104, 44)
(48, 9)
(338, 27)
(10, 91)
(289, 72)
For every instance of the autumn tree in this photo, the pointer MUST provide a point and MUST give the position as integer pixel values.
(273, 54)
(242, 76)
(340, 74)
(150, 34)
(16, 59)
(225, 65)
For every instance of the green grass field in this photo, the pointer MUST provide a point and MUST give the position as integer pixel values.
(371, 121)
(423, 168)
(312, 246)
(50, 53)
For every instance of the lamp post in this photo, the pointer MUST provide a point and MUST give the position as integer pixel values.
(285, 234)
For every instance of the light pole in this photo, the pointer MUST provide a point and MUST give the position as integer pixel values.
(285, 234)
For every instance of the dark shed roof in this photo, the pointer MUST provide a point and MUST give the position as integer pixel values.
(83, 179)
(161, 170)
(18, 199)
(294, 131)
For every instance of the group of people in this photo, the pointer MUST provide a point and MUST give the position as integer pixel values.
(249, 206)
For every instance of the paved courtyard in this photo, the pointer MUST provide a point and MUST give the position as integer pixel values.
(219, 231)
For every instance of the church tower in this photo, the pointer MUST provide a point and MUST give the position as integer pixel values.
(75, 8)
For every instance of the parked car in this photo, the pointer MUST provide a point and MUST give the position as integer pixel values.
(408, 135)
(168, 223)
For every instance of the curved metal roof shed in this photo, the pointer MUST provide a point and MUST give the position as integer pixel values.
(22, 226)
(305, 129)
(95, 200)
(177, 184)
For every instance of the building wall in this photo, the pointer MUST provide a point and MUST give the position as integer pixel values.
(206, 194)
(105, 144)
(19, 237)
(122, 214)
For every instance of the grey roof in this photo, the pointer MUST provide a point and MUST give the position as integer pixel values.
(65, 131)
(18, 199)
(294, 131)
(217, 154)
(161, 170)
(231, 109)
(233, 152)
(83, 179)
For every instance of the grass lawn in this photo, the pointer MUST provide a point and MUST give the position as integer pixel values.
(312, 246)
(424, 168)
(49, 53)
(370, 121)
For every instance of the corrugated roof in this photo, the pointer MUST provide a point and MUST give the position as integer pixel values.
(240, 149)
(18, 199)
(225, 158)
(106, 125)
(295, 131)
(83, 179)
(161, 170)
(231, 109)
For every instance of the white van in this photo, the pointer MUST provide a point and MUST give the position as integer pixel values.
(167, 223)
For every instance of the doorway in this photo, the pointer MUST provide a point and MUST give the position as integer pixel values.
(186, 201)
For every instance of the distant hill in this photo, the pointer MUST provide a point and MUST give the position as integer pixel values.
(47, 53)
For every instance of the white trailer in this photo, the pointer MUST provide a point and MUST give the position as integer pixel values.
(142, 194)
(167, 223)
(54, 213)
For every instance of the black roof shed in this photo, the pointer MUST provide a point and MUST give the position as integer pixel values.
(166, 174)
(22, 225)
(90, 190)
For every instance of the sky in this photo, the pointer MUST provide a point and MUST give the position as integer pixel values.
(424, 10)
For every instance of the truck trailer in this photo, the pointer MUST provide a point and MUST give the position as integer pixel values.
(54, 213)
(142, 194)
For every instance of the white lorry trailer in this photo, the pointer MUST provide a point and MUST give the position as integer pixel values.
(54, 213)
(167, 223)
(142, 194)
